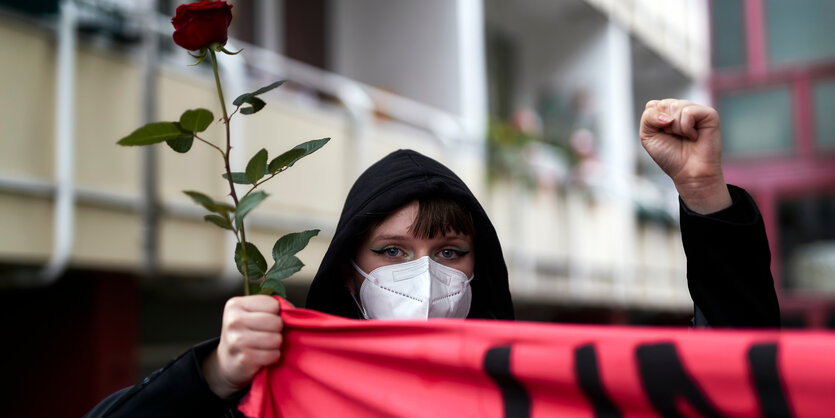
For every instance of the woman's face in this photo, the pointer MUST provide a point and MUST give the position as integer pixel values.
(391, 242)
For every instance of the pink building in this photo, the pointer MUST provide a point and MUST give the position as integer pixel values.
(773, 81)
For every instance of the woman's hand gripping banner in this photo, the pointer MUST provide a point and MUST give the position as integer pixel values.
(331, 366)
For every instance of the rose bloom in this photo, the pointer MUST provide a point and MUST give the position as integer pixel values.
(198, 25)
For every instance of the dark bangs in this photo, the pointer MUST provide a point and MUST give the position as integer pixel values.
(439, 216)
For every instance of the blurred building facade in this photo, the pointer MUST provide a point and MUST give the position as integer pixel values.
(534, 103)
(773, 82)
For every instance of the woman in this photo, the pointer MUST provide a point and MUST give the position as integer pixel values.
(413, 242)
(404, 207)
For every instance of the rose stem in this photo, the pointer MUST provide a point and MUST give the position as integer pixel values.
(241, 232)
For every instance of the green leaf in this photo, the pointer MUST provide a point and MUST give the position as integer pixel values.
(208, 203)
(181, 144)
(246, 204)
(199, 198)
(309, 147)
(285, 160)
(267, 88)
(256, 265)
(257, 166)
(284, 268)
(152, 133)
(256, 105)
(290, 244)
(242, 98)
(220, 221)
(238, 178)
(273, 287)
(196, 120)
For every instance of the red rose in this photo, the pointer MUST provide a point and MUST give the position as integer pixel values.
(198, 25)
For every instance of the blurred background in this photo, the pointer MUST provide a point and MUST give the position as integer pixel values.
(107, 271)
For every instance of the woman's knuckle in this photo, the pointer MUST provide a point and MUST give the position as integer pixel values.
(234, 322)
(233, 301)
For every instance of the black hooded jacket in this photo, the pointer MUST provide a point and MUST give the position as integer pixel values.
(397, 179)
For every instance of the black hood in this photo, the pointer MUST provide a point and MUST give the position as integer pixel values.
(392, 182)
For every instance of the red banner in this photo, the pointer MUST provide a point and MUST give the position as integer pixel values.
(332, 366)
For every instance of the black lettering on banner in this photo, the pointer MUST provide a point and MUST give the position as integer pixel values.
(665, 381)
(517, 403)
(762, 359)
(585, 368)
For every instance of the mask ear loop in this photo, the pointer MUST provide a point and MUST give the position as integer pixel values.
(354, 296)
(362, 310)
(358, 269)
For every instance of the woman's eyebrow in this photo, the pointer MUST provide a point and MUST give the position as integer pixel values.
(391, 237)
(455, 236)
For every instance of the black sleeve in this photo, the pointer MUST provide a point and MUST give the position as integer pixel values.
(177, 390)
(729, 265)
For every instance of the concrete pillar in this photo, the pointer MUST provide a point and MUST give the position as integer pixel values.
(470, 151)
(472, 71)
(270, 27)
(619, 152)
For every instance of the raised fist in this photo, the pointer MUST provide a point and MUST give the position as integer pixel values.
(683, 138)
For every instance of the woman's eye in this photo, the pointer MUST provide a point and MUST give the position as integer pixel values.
(389, 252)
(449, 253)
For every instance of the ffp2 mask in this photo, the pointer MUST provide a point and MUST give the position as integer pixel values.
(417, 289)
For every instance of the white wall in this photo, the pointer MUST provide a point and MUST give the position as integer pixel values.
(407, 47)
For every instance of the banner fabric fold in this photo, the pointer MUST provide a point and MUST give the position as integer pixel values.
(332, 366)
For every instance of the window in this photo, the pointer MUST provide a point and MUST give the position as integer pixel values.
(824, 118)
(306, 31)
(43, 7)
(500, 58)
(244, 18)
(756, 123)
(301, 32)
(807, 242)
(799, 30)
(728, 34)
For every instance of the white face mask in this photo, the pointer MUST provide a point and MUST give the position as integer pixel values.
(417, 289)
